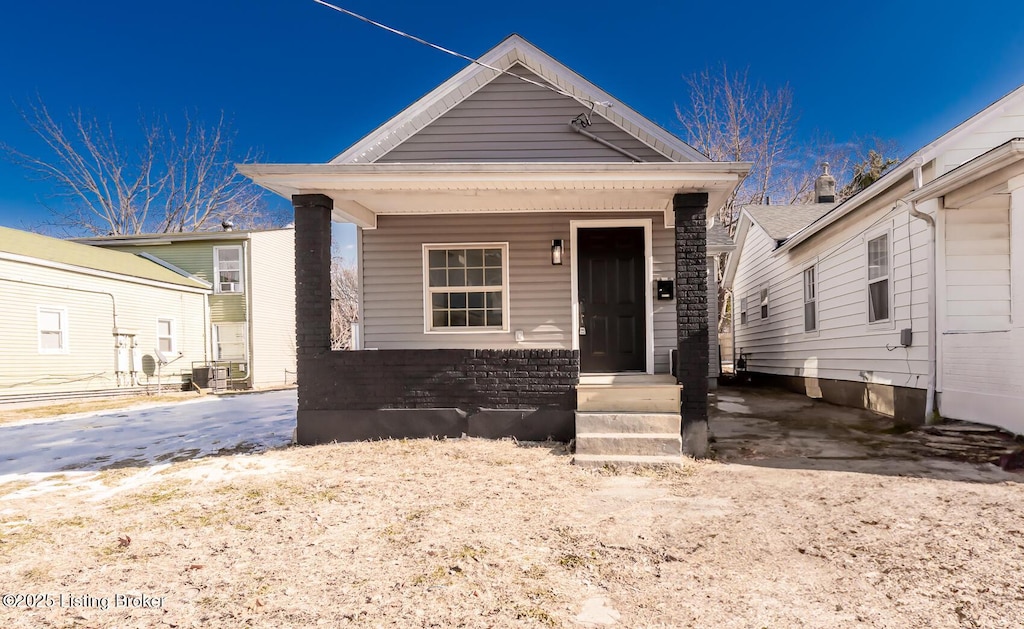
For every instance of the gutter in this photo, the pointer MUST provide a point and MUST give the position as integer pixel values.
(578, 128)
(930, 416)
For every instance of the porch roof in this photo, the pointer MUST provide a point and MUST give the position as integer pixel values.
(361, 192)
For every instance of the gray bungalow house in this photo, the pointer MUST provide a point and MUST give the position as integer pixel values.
(532, 262)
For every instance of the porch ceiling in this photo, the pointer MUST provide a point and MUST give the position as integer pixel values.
(361, 192)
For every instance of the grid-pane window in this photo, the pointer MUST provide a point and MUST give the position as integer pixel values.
(227, 269)
(764, 302)
(52, 331)
(466, 287)
(810, 300)
(165, 335)
(878, 278)
(230, 341)
(743, 310)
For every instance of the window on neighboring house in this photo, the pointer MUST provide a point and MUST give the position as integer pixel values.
(227, 269)
(810, 300)
(165, 341)
(465, 287)
(743, 310)
(229, 340)
(878, 278)
(764, 302)
(53, 330)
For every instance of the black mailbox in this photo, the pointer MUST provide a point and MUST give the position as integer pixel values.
(666, 289)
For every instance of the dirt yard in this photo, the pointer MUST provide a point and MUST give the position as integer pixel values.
(473, 533)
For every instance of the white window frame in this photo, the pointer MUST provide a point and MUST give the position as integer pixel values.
(764, 299)
(240, 288)
(888, 278)
(743, 311)
(65, 345)
(810, 292)
(428, 291)
(173, 336)
(245, 342)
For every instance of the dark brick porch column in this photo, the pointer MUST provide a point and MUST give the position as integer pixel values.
(692, 319)
(312, 276)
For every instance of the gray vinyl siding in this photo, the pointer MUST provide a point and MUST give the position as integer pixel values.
(272, 324)
(539, 293)
(509, 120)
(89, 302)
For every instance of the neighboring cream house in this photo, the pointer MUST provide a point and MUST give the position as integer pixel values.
(907, 298)
(77, 319)
(252, 304)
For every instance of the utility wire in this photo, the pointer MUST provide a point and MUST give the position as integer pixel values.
(554, 89)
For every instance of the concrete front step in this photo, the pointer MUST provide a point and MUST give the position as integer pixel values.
(608, 398)
(602, 460)
(628, 422)
(629, 444)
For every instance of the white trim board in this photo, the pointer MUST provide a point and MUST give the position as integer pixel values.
(574, 294)
(512, 50)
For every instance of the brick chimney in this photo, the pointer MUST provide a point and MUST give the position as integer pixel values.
(825, 187)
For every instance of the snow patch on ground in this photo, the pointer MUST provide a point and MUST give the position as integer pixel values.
(151, 437)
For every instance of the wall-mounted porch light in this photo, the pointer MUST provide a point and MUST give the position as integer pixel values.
(556, 252)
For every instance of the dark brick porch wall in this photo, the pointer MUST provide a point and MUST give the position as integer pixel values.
(692, 318)
(466, 379)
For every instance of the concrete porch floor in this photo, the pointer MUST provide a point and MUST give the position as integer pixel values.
(775, 428)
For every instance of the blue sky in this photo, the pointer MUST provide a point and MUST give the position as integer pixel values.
(301, 82)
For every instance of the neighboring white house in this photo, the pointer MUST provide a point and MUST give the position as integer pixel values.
(907, 298)
(252, 307)
(82, 320)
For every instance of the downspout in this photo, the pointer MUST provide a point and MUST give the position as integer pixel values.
(929, 405)
(578, 128)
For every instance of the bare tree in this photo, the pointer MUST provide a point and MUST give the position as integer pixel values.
(729, 118)
(169, 181)
(344, 303)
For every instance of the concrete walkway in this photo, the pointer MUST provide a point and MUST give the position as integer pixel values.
(775, 428)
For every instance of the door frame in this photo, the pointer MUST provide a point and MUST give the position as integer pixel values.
(574, 304)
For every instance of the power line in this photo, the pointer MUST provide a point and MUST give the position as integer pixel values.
(546, 86)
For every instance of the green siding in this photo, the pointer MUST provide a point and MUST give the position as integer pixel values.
(227, 308)
(194, 257)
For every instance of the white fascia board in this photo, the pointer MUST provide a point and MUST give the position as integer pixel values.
(920, 157)
(493, 57)
(860, 199)
(463, 171)
(740, 238)
(13, 257)
(1000, 157)
(511, 50)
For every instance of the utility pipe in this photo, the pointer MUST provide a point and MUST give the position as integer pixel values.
(929, 404)
(575, 126)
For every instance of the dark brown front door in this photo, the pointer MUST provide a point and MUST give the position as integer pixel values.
(611, 294)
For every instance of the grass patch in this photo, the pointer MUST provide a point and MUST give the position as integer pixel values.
(86, 406)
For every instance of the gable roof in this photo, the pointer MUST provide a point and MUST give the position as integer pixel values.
(84, 258)
(782, 221)
(905, 168)
(513, 50)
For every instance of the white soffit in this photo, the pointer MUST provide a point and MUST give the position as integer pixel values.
(363, 191)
